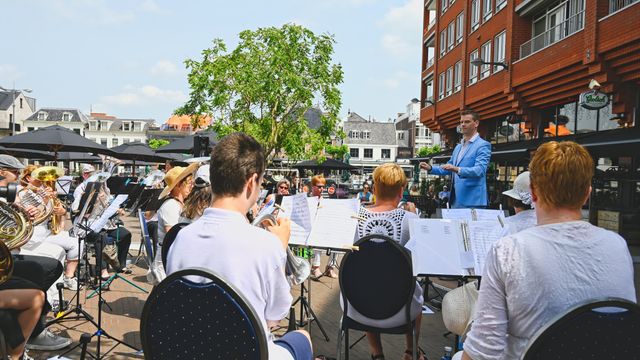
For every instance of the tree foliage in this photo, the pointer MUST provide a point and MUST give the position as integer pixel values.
(428, 151)
(156, 143)
(264, 86)
(337, 152)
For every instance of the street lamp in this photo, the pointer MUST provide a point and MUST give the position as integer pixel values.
(479, 62)
(13, 93)
(427, 101)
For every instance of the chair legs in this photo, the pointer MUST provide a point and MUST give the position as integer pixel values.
(346, 344)
(339, 346)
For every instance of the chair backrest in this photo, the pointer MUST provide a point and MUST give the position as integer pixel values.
(597, 329)
(146, 238)
(182, 319)
(377, 279)
(169, 238)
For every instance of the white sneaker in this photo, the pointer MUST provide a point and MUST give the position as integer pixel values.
(70, 283)
(47, 341)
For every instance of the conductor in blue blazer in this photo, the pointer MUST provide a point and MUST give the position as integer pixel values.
(467, 166)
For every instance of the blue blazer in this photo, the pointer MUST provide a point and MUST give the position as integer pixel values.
(470, 183)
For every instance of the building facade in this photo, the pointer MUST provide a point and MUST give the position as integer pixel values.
(14, 102)
(369, 142)
(111, 131)
(72, 119)
(412, 135)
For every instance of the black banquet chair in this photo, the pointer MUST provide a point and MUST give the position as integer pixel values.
(362, 278)
(597, 329)
(169, 238)
(182, 319)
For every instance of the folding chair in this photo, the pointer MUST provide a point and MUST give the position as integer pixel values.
(169, 238)
(182, 319)
(146, 244)
(597, 329)
(381, 269)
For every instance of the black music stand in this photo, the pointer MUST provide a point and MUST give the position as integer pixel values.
(148, 202)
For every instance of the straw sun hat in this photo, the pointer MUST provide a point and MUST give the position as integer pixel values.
(175, 175)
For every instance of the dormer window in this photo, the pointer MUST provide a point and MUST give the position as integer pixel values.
(66, 117)
(93, 125)
(137, 126)
(42, 116)
(126, 126)
(104, 125)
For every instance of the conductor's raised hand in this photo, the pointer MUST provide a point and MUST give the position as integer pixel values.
(282, 230)
(426, 166)
(450, 167)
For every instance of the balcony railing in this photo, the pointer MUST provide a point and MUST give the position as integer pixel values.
(430, 62)
(615, 5)
(570, 26)
(427, 102)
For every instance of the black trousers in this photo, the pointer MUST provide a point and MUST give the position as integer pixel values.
(121, 236)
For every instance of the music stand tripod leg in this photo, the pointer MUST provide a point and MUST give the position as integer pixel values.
(306, 307)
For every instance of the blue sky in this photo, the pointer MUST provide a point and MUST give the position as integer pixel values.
(125, 57)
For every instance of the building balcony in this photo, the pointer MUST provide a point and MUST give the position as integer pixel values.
(553, 35)
(430, 62)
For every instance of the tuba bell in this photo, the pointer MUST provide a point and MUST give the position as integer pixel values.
(297, 269)
(15, 231)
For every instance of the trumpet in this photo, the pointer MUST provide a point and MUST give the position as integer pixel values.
(48, 176)
(297, 269)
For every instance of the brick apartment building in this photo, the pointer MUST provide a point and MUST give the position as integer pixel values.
(545, 54)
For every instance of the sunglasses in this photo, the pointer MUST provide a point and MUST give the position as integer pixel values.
(284, 187)
(320, 186)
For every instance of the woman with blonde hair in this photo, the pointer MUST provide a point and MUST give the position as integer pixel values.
(532, 276)
(385, 218)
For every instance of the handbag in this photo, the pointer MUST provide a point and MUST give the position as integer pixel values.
(458, 306)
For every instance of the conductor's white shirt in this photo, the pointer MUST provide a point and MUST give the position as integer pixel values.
(249, 258)
(533, 276)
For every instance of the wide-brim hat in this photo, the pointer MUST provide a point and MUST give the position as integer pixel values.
(520, 190)
(175, 176)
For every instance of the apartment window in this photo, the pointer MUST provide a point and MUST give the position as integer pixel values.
(368, 153)
(386, 153)
(443, 43)
(443, 5)
(473, 70)
(366, 134)
(452, 34)
(103, 142)
(449, 81)
(42, 116)
(475, 14)
(457, 77)
(401, 135)
(354, 153)
(499, 50)
(126, 126)
(485, 70)
(66, 117)
(487, 9)
(114, 142)
(125, 141)
(104, 125)
(500, 4)
(137, 126)
(459, 27)
(441, 86)
(20, 103)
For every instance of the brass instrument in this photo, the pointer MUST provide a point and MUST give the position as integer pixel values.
(15, 231)
(297, 269)
(48, 176)
(37, 198)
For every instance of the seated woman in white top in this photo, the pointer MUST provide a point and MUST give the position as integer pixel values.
(532, 276)
(520, 199)
(387, 219)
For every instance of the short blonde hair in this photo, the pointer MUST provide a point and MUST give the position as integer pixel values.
(388, 179)
(561, 174)
(318, 179)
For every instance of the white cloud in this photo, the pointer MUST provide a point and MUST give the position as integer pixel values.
(163, 67)
(8, 73)
(402, 29)
(144, 95)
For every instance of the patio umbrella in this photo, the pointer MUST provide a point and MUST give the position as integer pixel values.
(186, 144)
(81, 157)
(28, 154)
(329, 164)
(54, 139)
(137, 151)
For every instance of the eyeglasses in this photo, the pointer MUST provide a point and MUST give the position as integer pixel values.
(320, 186)
(284, 187)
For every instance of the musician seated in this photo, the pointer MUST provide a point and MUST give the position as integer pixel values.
(250, 258)
(534, 275)
(25, 301)
(519, 198)
(387, 219)
(199, 198)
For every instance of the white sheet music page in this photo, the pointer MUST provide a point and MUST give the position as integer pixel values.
(456, 214)
(297, 209)
(483, 234)
(489, 214)
(335, 224)
(436, 246)
(97, 225)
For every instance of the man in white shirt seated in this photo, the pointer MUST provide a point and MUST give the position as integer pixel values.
(250, 258)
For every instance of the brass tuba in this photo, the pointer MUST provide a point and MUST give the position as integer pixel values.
(15, 230)
(48, 176)
(297, 269)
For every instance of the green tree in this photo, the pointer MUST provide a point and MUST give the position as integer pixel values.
(428, 151)
(265, 85)
(337, 152)
(156, 143)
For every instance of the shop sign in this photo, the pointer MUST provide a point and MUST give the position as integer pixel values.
(594, 100)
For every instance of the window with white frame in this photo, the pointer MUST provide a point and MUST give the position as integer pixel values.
(66, 116)
(485, 70)
(126, 126)
(451, 29)
(401, 135)
(42, 116)
(487, 9)
(449, 81)
(443, 42)
(368, 153)
(457, 77)
(125, 141)
(441, 86)
(93, 125)
(499, 50)
(475, 14)
(104, 125)
(500, 4)
(103, 142)
(473, 70)
(459, 28)
(114, 142)
(443, 5)
(366, 134)
(137, 126)
(354, 152)
(385, 153)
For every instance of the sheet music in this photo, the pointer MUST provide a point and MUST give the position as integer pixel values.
(489, 214)
(334, 225)
(456, 214)
(483, 234)
(297, 209)
(437, 247)
(97, 225)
